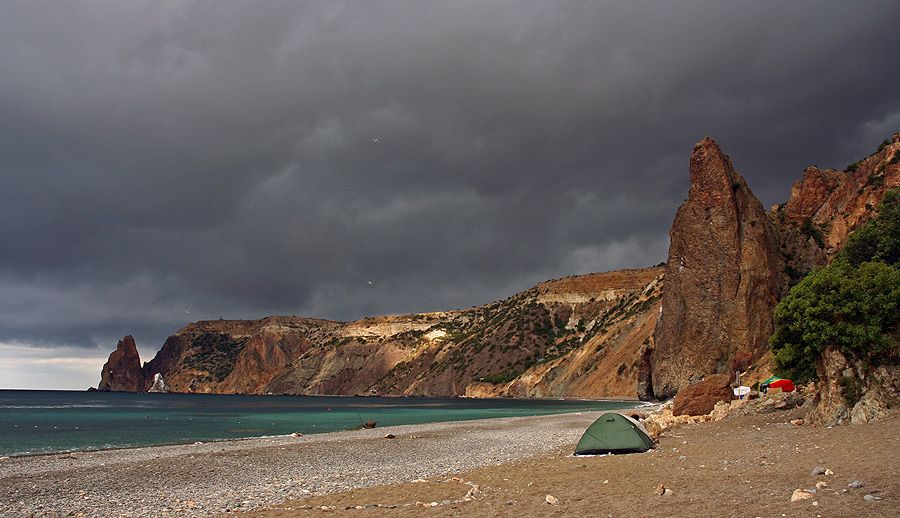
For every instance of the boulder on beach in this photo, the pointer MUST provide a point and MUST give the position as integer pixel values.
(700, 398)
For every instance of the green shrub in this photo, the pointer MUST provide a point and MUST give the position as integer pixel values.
(852, 304)
(878, 240)
(852, 308)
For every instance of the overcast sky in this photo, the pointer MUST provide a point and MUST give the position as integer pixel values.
(241, 159)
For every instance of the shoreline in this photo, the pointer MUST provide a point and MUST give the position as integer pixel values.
(361, 396)
(626, 406)
(246, 474)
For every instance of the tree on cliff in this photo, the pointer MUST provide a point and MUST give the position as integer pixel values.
(852, 304)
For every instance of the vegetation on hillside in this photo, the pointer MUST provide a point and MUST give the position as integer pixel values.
(852, 304)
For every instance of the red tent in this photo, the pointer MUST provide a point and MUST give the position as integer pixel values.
(784, 385)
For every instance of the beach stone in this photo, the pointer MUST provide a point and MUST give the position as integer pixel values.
(390, 436)
(818, 470)
(871, 498)
(856, 484)
(700, 398)
(821, 485)
(552, 500)
(800, 494)
(828, 472)
(660, 490)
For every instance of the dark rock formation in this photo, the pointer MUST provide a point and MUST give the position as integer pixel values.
(723, 277)
(700, 398)
(122, 372)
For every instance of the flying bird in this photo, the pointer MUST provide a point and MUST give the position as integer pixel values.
(187, 312)
(371, 283)
(375, 140)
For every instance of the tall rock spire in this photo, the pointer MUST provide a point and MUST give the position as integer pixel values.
(723, 277)
(122, 372)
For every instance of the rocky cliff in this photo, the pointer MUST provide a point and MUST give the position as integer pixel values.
(723, 278)
(826, 205)
(575, 336)
(730, 261)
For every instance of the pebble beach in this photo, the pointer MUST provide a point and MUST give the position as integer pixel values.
(755, 465)
(230, 476)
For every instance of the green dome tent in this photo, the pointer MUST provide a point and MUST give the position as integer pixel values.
(614, 433)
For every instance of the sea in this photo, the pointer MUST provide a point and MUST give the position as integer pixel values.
(39, 422)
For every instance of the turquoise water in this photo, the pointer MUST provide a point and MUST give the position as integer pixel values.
(55, 421)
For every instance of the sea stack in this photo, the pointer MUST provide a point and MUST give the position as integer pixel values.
(122, 371)
(723, 278)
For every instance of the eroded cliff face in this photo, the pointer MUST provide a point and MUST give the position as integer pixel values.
(576, 336)
(724, 275)
(122, 372)
(605, 359)
(236, 356)
(827, 205)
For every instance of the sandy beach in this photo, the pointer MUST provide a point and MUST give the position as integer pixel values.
(211, 478)
(742, 467)
(747, 466)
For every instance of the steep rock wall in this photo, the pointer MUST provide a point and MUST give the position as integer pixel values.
(724, 275)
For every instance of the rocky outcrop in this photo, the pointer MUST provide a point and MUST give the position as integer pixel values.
(159, 384)
(723, 276)
(851, 392)
(834, 372)
(122, 371)
(881, 396)
(701, 397)
(827, 205)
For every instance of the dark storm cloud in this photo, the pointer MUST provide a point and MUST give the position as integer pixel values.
(220, 157)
